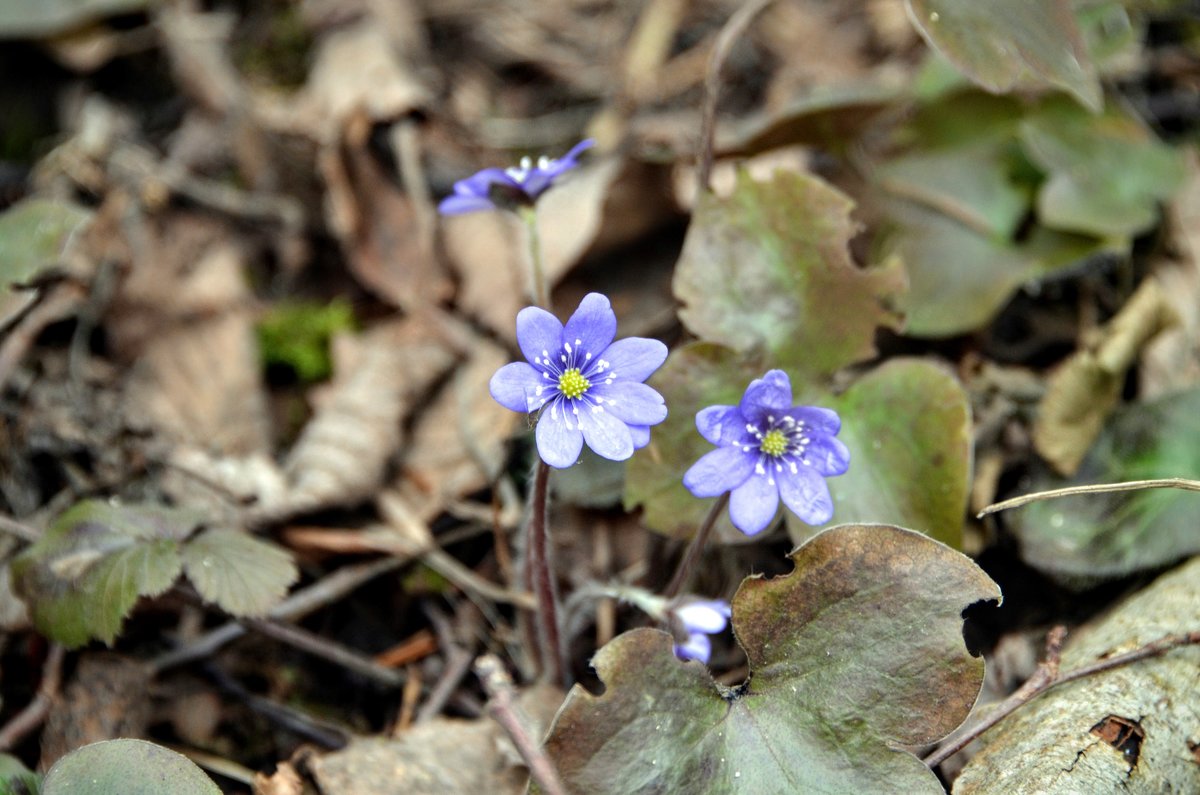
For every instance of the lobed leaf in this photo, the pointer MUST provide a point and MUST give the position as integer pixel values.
(858, 651)
(245, 576)
(768, 269)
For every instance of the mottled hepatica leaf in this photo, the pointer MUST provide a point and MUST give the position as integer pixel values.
(126, 767)
(82, 578)
(855, 653)
(767, 269)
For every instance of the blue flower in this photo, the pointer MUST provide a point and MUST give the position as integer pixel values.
(697, 620)
(587, 387)
(518, 186)
(767, 449)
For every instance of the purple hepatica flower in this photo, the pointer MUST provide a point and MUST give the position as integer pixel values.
(697, 620)
(766, 449)
(518, 186)
(587, 387)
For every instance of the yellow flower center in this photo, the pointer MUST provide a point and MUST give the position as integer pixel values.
(572, 383)
(774, 443)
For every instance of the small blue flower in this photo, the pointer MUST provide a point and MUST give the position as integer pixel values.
(767, 449)
(697, 619)
(506, 188)
(587, 387)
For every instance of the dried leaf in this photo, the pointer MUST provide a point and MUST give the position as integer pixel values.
(342, 454)
(107, 698)
(458, 442)
(1085, 389)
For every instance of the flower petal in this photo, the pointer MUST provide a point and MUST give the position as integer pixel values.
(827, 455)
(721, 424)
(515, 386)
(719, 471)
(559, 441)
(480, 183)
(641, 435)
(460, 205)
(806, 495)
(753, 504)
(632, 403)
(634, 358)
(816, 418)
(593, 325)
(769, 395)
(539, 334)
(698, 647)
(707, 615)
(605, 434)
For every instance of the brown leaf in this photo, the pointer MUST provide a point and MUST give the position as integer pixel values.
(106, 699)
(600, 207)
(458, 443)
(1084, 390)
(342, 454)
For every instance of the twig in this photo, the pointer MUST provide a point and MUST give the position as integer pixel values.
(19, 529)
(327, 649)
(504, 710)
(326, 735)
(1047, 676)
(321, 593)
(38, 708)
(1099, 488)
(458, 662)
(699, 540)
(729, 34)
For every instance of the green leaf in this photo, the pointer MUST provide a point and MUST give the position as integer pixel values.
(126, 767)
(906, 425)
(297, 334)
(83, 577)
(33, 235)
(767, 269)
(242, 574)
(958, 278)
(695, 376)
(859, 651)
(15, 778)
(1111, 535)
(1000, 42)
(1107, 173)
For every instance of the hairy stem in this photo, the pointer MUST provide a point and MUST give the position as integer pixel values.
(542, 577)
(541, 291)
(698, 542)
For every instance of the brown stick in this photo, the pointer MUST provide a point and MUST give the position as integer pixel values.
(729, 34)
(1047, 676)
(504, 710)
(38, 708)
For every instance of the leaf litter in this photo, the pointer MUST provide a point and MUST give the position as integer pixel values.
(962, 254)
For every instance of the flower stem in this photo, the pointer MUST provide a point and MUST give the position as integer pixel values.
(699, 540)
(542, 578)
(541, 292)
